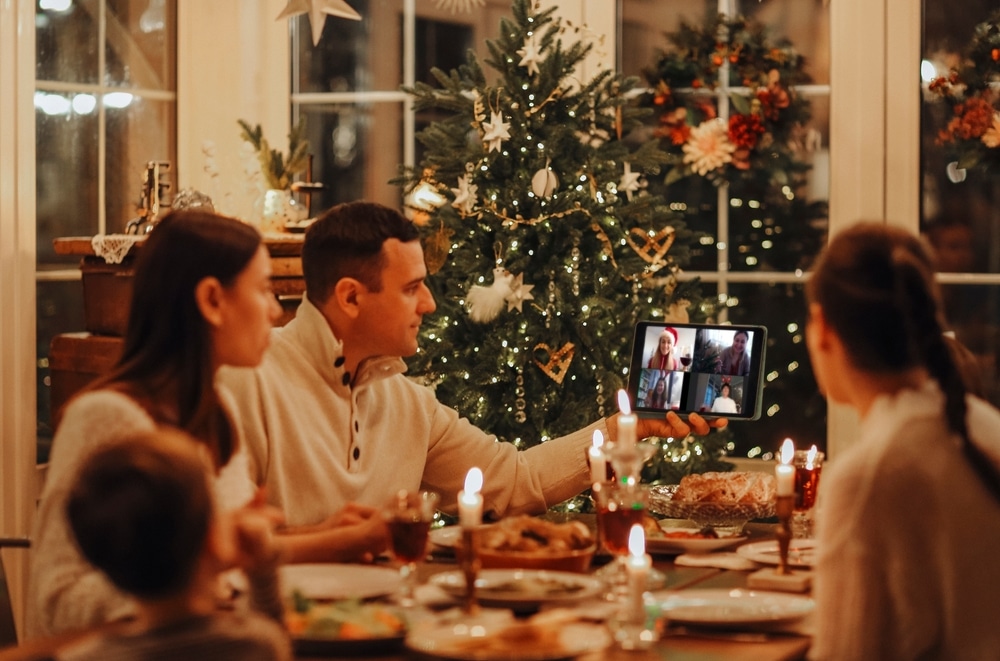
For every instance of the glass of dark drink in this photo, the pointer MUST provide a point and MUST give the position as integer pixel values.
(409, 515)
(620, 505)
(808, 466)
(686, 357)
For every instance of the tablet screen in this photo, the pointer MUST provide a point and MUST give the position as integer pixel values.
(714, 370)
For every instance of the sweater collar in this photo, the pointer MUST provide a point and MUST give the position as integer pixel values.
(312, 333)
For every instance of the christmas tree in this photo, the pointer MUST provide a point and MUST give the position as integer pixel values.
(542, 245)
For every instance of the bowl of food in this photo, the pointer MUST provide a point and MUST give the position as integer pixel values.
(524, 542)
(724, 501)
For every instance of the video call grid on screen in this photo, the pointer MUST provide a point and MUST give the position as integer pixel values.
(694, 381)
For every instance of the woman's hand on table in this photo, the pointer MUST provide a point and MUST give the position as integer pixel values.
(257, 548)
(670, 425)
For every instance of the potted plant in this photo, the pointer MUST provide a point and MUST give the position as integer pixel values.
(278, 170)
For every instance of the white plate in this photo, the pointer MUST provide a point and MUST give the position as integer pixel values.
(462, 641)
(521, 589)
(689, 544)
(447, 537)
(339, 581)
(801, 552)
(734, 607)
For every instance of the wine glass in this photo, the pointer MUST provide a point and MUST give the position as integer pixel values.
(807, 472)
(408, 516)
(686, 358)
(620, 505)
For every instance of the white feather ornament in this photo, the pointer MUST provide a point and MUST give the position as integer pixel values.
(486, 303)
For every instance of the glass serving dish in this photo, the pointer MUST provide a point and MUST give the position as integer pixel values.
(723, 517)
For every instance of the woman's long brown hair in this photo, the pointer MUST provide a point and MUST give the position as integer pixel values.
(166, 364)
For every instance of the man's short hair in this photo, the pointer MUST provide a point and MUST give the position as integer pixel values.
(346, 242)
(140, 510)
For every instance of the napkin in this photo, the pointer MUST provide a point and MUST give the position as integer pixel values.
(720, 560)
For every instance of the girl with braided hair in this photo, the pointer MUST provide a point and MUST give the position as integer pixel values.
(909, 516)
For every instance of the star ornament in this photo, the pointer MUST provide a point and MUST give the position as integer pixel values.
(530, 55)
(497, 131)
(465, 195)
(629, 181)
(318, 11)
(519, 293)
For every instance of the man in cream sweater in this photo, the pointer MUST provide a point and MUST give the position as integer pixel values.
(334, 428)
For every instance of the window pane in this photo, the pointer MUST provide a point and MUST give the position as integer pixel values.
(793, 407)
(355, 160)
(140, 132)
(140, 43)
(60, 310)
(960, 215)
(65, 172)
(66, 44)
(352, 56)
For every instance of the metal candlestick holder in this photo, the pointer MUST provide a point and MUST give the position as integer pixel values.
(469, 561)
(784, 507)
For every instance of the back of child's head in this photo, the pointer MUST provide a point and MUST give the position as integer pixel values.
(141, 509)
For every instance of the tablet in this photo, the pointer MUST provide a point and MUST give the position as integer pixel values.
(715, 370)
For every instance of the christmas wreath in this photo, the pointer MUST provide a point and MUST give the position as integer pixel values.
(736, 58)
(971, 134)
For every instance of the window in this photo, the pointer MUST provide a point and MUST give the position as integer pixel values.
(753, 254)
(960, 214)
(105, 105)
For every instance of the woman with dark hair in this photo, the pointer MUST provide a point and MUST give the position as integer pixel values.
(202, 298)
(657, 398)
(735, 361)
(909, 516)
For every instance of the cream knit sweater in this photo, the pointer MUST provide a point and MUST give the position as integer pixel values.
(318, 442)
(65, 592)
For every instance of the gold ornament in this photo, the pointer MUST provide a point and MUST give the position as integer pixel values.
(558, 363)
(436, 249)
(655, 247)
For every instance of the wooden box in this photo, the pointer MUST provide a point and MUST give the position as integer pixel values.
(107, 291)
(76, 359)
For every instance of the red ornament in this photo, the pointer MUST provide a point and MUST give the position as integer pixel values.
(995, 54)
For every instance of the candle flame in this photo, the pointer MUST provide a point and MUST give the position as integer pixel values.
(637, 541)
(811, 458)
(598, 438)
(787, 451)
(623, 404)
(473, 480)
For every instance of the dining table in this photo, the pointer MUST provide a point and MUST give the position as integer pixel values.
(788, 641)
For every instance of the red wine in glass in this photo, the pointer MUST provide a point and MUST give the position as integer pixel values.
(686, 361)
(409, 538)
(615, 524)
(806, 486)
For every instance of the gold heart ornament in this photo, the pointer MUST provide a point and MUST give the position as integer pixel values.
(558, 362)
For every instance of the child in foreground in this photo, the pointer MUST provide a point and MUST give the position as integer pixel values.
(142, 512)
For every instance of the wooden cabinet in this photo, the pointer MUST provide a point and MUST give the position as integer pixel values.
(75, 359)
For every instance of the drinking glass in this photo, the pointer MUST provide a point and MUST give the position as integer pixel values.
(620, 505)
(408, 516)
(686, 358)
(807, 474)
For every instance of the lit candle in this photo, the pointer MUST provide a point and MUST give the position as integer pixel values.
(626, 421)
(470, 502)
(598, 464)
(784, 472)
(811, 458)
(637, 566)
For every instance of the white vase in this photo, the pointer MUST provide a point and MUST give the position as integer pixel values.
(280, 208)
